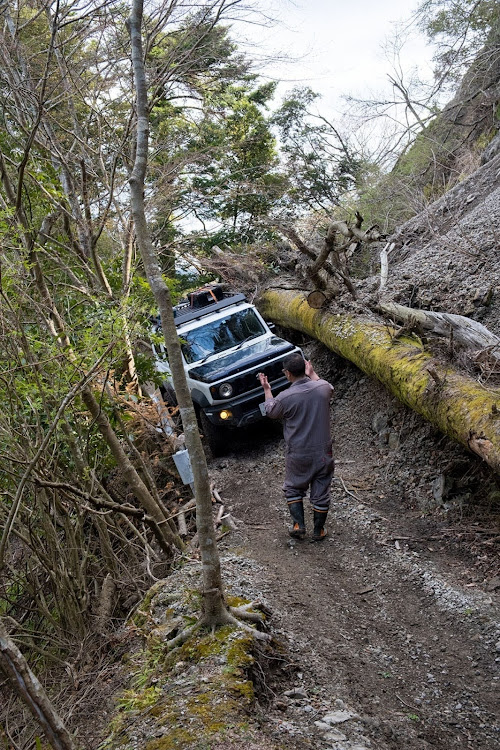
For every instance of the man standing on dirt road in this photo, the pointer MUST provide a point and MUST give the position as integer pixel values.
(305, 411)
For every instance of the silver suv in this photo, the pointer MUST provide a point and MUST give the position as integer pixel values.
(225, 342)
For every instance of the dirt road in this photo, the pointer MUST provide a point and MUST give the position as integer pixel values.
(393, 631)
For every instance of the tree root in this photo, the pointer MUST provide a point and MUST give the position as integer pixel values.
(232, 616)
(244, 613)
(257, 634)
(184, 635)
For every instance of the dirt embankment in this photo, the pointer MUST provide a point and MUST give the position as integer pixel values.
(392, 622)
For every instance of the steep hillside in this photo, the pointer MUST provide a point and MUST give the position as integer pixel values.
(447, 257)
(460, 135)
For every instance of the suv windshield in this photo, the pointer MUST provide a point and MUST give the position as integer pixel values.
(220, 335)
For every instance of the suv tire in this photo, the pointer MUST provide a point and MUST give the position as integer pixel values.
(169, 396)
(216, 438)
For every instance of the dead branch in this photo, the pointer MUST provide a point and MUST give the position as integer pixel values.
(25, 684)
(216, 495)
(219, 515)
(337, 253)
(384, 265)
(106, 602)
(369, 235)
(181, 522)
(467, 332)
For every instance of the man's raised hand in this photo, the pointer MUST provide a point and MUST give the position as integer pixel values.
(310, 370)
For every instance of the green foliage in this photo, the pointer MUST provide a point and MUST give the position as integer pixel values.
(135, 700)
(199, 53)
(229, 156)
(216, 160)
(452, 21)
(386, 200)
(320, 163)
(459, 29)
(418, 157)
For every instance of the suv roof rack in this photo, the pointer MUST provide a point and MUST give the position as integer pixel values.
(184, 312)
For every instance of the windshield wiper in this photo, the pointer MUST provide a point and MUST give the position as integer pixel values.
(238, 346)
(253, 336)
(206, 357)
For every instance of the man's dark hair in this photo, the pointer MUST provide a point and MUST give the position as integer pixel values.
(295, 364)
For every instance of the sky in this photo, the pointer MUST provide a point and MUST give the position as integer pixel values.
(337, 45)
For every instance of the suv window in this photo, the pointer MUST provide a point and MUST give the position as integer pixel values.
(219, 335)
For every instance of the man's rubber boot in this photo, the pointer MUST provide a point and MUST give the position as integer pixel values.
(298, 530)
(319, 531)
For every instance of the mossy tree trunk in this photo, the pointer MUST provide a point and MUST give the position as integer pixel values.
(458, 405)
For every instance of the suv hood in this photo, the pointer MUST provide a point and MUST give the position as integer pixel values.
(250, 355)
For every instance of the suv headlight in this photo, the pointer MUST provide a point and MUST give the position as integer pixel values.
(225, 390)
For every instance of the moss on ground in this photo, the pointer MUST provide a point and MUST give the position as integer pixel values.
(192, 696)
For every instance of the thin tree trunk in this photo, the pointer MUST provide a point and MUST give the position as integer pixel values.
(26, 685)
(128, 252)
(215, 611)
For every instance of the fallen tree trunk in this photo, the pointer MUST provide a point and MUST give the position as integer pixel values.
(458, 405)
(465, 331)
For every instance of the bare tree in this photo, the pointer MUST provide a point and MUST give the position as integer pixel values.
(395, 115)
(215, 610)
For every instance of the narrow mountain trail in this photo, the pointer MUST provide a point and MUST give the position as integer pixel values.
(392, 632)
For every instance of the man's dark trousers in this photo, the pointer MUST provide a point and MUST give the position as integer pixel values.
(315, 470)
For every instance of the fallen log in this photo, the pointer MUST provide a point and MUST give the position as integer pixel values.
(465, 331)
(23, 682)
(457, 404)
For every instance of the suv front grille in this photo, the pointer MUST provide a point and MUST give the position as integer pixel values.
(274, 371)
(249, 381)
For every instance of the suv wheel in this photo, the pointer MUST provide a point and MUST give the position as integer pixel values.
(168, 394)
(215, 437)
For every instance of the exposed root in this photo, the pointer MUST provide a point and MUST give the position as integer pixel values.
(244, 612)
(238, 615)
(233, 616)
(257, 634)
(184, 635)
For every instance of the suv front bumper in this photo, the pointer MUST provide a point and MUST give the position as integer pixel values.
(245, 409)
